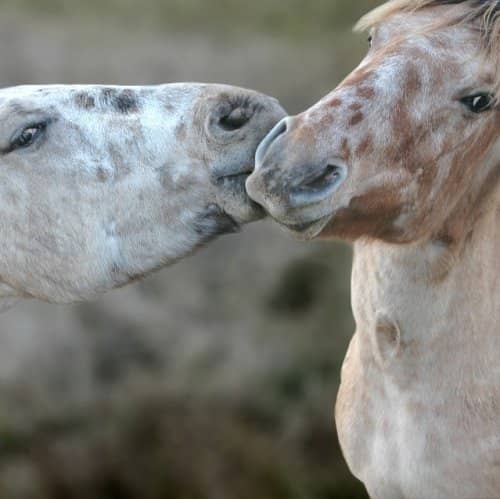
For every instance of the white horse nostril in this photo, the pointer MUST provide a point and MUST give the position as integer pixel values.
(235, 120)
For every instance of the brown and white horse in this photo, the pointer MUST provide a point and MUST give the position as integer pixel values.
(403, 159)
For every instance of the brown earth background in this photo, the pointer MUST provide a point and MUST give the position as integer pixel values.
(216, 378)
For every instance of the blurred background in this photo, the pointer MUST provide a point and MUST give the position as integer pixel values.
(216, 378)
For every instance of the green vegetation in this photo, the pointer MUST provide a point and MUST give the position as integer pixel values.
(293, 18)
(164, 447)
(215, 379)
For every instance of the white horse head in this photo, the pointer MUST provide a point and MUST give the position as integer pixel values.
(102, 185)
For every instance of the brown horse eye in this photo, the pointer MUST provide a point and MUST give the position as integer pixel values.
(479, 103)
(370, 40)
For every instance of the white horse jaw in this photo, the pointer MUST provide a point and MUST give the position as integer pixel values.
(120, 181)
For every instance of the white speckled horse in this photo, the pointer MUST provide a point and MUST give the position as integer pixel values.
(102, 185)
(403, 159)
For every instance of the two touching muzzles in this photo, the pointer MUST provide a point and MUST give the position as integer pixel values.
(100, 186)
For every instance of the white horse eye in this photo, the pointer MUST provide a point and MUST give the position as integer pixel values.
(479, 103)
(27, 137)
(236, 119)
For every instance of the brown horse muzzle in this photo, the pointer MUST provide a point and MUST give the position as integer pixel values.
(292, 173)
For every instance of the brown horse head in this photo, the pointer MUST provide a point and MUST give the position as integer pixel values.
(407, 146)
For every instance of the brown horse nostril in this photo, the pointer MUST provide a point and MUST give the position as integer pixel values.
(276, 132)
(319, 185)
(329, 175)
